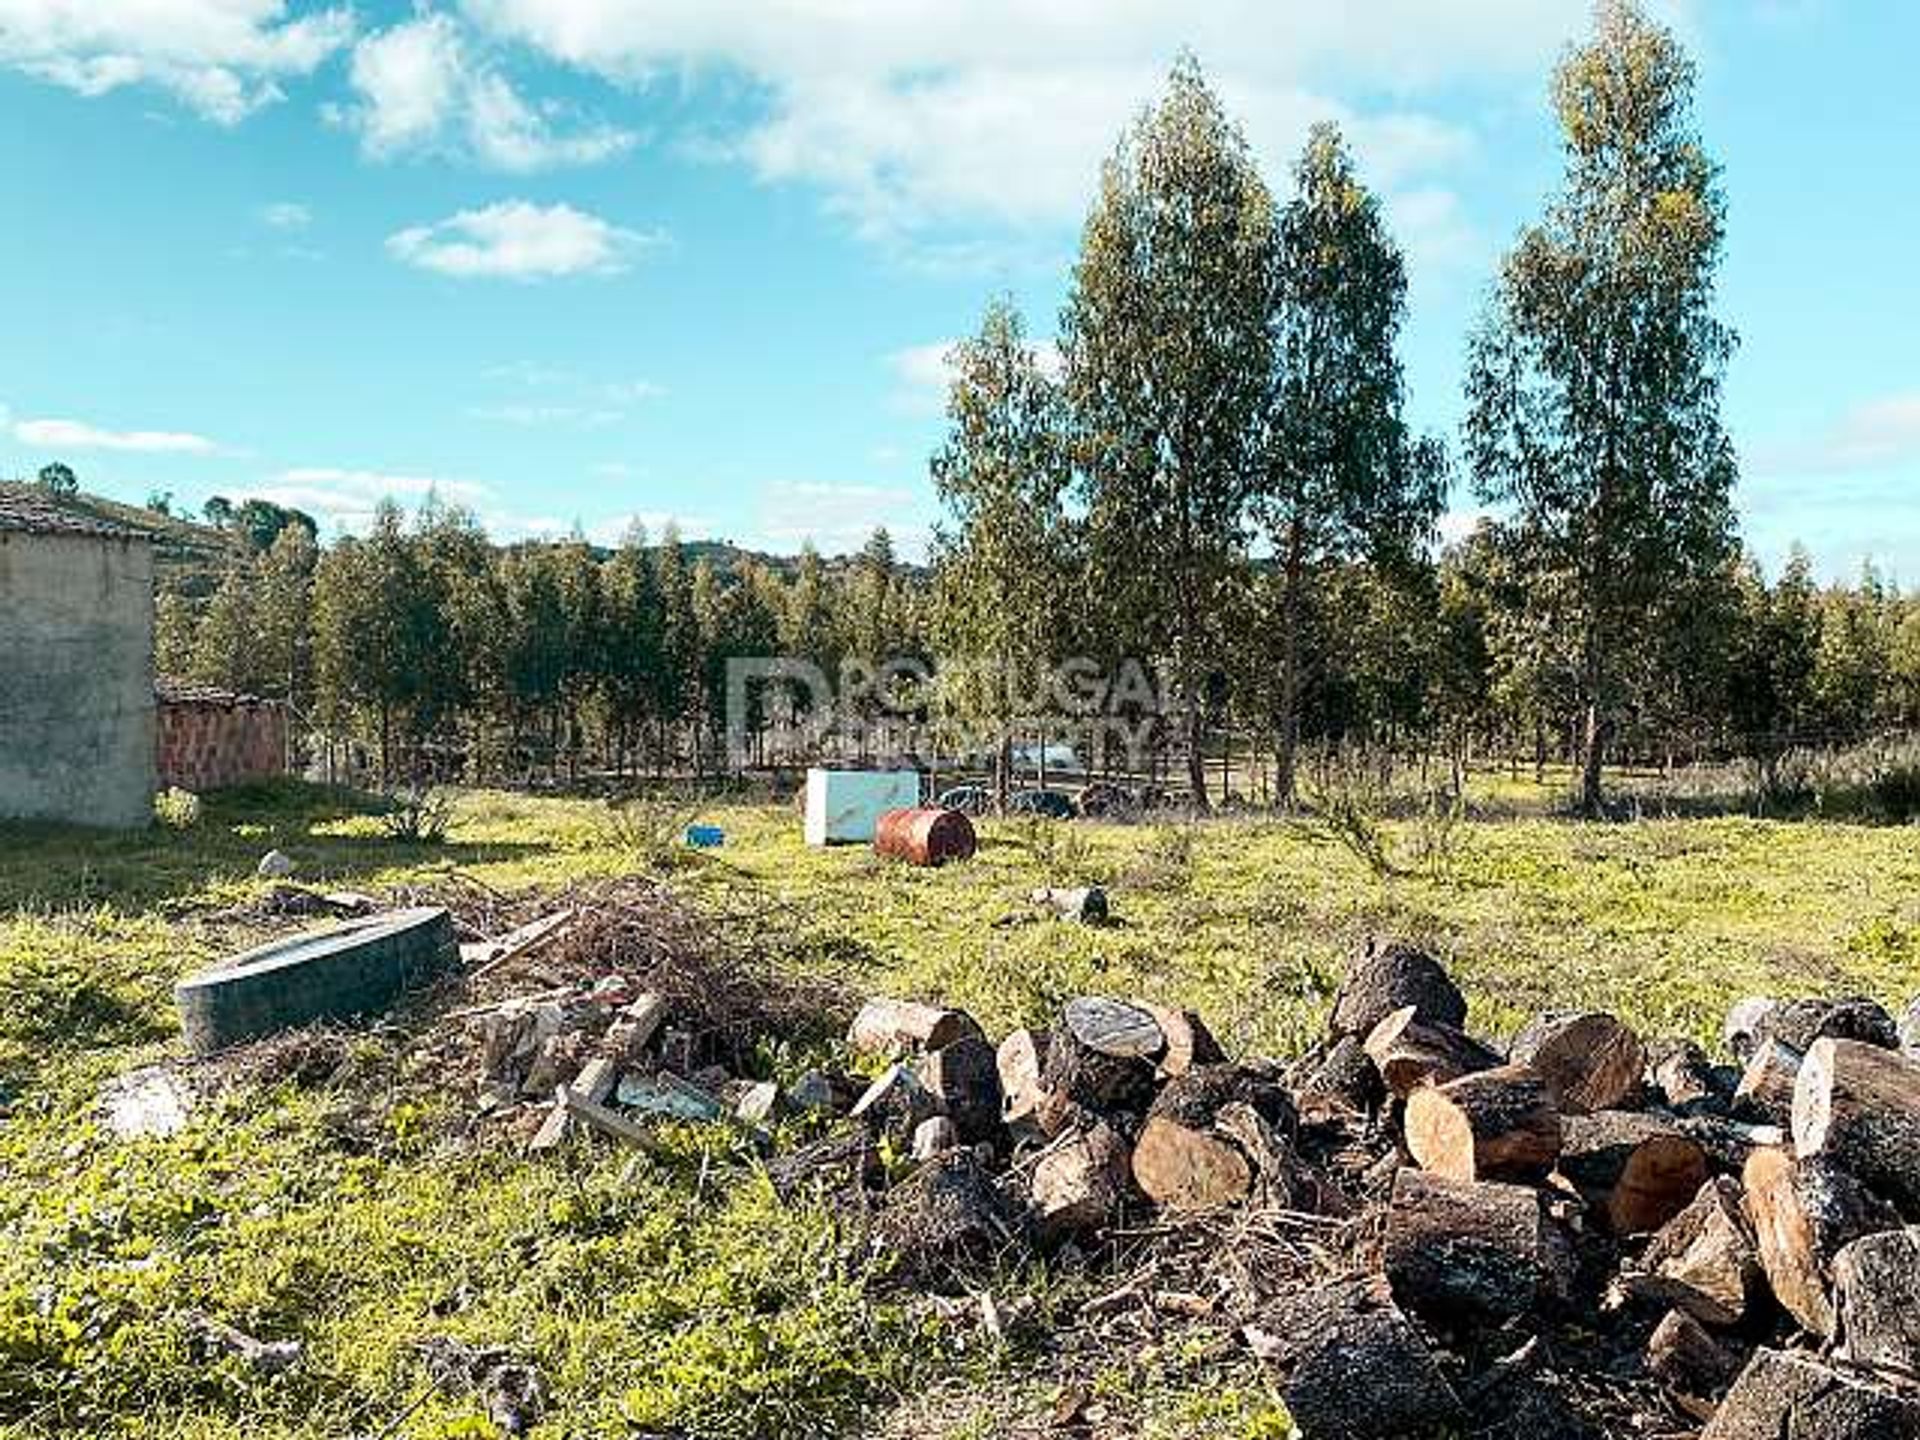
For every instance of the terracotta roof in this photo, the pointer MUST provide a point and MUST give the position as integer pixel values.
(186, 692)
(31, 509)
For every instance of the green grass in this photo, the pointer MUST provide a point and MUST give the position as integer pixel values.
(678, 1296)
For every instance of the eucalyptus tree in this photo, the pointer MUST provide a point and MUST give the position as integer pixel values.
(1002, 586)
(1166, 344)
(1341, 479)
(1594, 379)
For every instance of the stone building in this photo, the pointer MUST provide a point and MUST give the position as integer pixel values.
(211, 738)
(76, 665)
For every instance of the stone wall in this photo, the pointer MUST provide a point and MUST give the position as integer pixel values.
(76, 677)
(210, 739)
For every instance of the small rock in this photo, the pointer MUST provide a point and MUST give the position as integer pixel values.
(757, 1105)
(149, 1102)
(274, 865)
(814, 1090)
(933, 1136)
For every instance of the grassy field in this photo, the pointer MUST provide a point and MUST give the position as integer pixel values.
(679, 1297)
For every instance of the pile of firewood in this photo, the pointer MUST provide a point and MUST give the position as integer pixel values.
(1732, 1233)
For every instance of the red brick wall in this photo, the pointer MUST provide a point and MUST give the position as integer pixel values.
(208, 745)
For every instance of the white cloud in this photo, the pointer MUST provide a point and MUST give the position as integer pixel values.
(78, 435)
(423, 88)
(223, 58)
(1874, 434)
(563, 397)
(925, 372)
(345, 499)
(915, 115)
(837, 519)
(520, 241)
(286, 215)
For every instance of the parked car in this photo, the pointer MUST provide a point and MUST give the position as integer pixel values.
(1109, 801)
(967, 799)
(1048, 804)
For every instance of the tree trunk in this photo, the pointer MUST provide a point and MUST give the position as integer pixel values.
(1196, 753)
(1287, 750)
(1593, 750)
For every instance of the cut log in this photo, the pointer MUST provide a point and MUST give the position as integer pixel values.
(1282, 1178)
(1102, 1055)
(1692, 1367)
(1409, 1052)
(1800, 1023)
(1703, 1260)
(1876, 1302)
(1196, 1098)
(1344, 1083)
(1499, 1124)
(1781, 1396)
(1183, 1169)
(1188, 1041)
(947, 1213)
(1460, 1251)
(1591, 1060)
(894, 1104)
(1358, 1368)
(1020, 1059)
(964, 1080)
(1636, 1171)
(891, 1027)
(1765, 1092)
(1680, 1072)
(1910, 1027)
(1746, 1025)
(1078, 1185)
(1728, 1142)
(1804, 1212)
(1860, 1105)
(597, 1079)
(1389, 975)
(758, 1103)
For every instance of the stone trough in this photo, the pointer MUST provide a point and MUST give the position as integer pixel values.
(356, 969)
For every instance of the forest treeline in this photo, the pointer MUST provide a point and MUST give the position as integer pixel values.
(1209, 472)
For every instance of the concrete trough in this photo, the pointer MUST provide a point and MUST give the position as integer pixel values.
(357, 969)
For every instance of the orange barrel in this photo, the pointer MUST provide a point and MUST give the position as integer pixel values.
(924, 835)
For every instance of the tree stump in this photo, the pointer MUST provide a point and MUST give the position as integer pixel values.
(1079, 1184)
(1591, 1060)
(1765, 1091)
(964, 1080)
(1102, 1055)
(1876, 1301)
(1692, 1367)
(1794, 1397)
(1387, 976)
(1463, 1251)
(1636, 1171)
(1409, 1052)
(1860, 1105)
(889, 1027)
(1804, 1212)
(1704, 1260)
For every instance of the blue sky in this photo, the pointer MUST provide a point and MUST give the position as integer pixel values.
(576, 261)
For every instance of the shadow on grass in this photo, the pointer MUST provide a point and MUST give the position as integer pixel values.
(61, 867)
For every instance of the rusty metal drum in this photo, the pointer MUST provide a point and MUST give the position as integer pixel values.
(924, 835)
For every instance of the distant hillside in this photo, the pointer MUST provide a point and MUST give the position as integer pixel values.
(188, 557)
